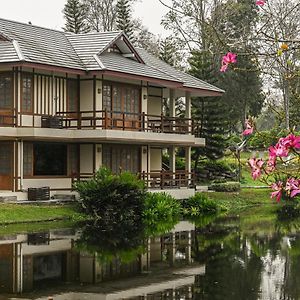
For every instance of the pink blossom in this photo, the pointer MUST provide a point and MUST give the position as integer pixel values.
(256, 165)
(229, 58)
(224, 68)
(277, 188)
(260, 2)
(292, 187)
(271, 164)
(249, 128)
(279, 150)
(291, 141)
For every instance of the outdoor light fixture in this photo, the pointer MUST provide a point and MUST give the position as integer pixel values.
(145, 97)
(99, 91)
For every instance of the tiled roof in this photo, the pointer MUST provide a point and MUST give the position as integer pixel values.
(188, 80)
(33, 44)
(116, 62)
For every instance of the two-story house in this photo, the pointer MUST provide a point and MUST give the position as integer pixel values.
(72, 103)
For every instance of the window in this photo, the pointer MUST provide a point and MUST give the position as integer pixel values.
(121, 99)
(6, 92)
(27, 159)
(121, 158)
(27, 93)
(50, 159)
(72, 94)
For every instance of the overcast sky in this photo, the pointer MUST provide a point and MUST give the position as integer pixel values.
(49, 13)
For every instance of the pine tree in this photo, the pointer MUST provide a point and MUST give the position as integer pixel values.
(74, 13)
(124, 18)
(209, 112)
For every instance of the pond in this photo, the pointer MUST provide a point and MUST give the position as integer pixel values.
(254, 255)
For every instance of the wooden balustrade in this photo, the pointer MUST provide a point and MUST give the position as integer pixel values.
(156, 179)
(105, 119)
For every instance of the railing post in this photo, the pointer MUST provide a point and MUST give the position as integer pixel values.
(123, 120)
(79, 120)
(105, 118)
(162, 123)
(162, 179)
(143, 125)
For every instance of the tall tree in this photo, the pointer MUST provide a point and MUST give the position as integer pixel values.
(75, 14)
(101, 14)
(209, 112)
(124, 22)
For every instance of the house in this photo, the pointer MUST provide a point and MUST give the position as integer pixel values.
(72, 103)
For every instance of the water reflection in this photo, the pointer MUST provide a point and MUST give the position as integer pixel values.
(252, 256)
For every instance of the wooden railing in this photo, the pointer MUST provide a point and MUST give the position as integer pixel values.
(105, 119)
(168, 179)
(7, 120)
(155, 179)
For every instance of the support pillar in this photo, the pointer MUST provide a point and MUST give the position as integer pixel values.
(188, 111)
(188, 163)
(172, 104)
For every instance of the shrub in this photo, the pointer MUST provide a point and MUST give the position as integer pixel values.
(198, 205)
(226, 187)
(115, 197)
(160, 207)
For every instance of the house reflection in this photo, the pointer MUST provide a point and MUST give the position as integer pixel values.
(35, 261)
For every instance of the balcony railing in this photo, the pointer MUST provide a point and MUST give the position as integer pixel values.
(156, 179)
(127, 121)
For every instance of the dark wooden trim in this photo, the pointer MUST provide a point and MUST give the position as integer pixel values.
(164, 82)
(94, 158)
(94, 99)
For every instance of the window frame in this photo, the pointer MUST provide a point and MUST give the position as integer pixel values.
(10, 75)
(26, 75)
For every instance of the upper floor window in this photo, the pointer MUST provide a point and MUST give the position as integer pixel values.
(122, 99)
(6, 91)
(27, 93)
(72, 95)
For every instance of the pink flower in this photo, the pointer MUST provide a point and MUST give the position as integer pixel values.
(277, 188)
(279, 150)
(292, 187)
(256, 165)
(271, 164)
(229, 58)
(291, 141)
(249, 128)
(224, 68)
(260, 2)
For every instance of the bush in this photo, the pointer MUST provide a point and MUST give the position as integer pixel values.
(226, 187)
(160, 207)
(114, 197)
(198, 205)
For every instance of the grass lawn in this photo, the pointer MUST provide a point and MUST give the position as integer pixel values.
(234, 202)
(13, 213)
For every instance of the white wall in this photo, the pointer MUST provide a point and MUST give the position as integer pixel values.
(155, 159)
(86, 158)
(53, 183)
(86, 95)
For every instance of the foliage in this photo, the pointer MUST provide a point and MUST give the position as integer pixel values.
(75, 15)
(101, 14)
(124, 23)
(198, 205)
(263, 139)
(160, 207)
(226, 187)
(112, 196)
(209, 113)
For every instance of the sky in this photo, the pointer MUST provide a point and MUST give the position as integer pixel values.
(49, 13)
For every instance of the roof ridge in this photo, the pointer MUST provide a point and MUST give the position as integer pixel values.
(90, 33)
(32, 25)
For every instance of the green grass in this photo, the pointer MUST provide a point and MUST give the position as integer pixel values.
(246, 198)
(13, 213)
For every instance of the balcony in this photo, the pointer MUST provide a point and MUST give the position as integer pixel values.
(114, 120)
(156, 179)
